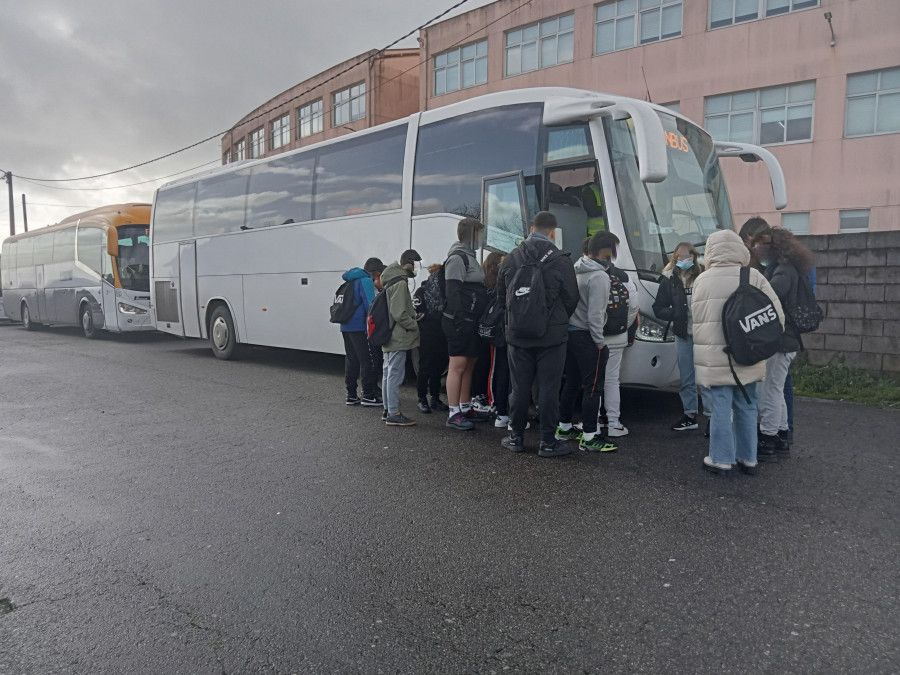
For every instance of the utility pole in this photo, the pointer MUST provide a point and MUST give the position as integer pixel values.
(24, 212)
(12, 214)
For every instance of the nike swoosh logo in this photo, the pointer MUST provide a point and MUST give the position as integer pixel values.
(523, 291)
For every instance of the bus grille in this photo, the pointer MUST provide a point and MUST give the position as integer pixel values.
(166, 302)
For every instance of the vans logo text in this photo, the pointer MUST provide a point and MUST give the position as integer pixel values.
(758, 318)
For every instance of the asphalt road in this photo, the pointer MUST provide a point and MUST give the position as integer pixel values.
(165, 512)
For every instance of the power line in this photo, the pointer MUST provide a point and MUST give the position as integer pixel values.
(261, 114)
(116, 187)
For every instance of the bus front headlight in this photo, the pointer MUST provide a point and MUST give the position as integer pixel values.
(651, 329)
(125, 308)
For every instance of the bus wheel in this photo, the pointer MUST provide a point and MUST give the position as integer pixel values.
(221, 333)
(87, 323)
(27, 323)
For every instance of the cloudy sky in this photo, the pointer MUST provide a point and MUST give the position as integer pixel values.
(92, 86)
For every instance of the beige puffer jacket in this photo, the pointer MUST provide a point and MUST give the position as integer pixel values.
(725, 255)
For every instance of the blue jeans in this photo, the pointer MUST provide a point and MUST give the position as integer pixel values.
(684, 349)
(732, 430)
(394, 370)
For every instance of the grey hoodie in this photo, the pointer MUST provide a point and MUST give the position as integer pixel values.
(593, 296)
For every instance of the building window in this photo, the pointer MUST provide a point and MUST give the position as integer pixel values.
(540, 45)
(281, 132)
(856, 220)
(258, 143)
(349, 104)
(766, 116)
(240, 151)
(675, 106)
(798, 223)
(873, 103)
(460, 68)
(626, 23)
(728, 12)
(226, 158)
(310, 117)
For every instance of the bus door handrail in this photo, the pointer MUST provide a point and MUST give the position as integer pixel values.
(753, 153)
(651, 141)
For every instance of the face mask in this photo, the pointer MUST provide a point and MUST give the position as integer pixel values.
(766, 262)
(417, 267)
(685, 264)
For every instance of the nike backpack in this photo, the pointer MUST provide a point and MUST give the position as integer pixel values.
(527, 310)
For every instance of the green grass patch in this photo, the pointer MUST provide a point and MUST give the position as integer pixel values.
(840, 382)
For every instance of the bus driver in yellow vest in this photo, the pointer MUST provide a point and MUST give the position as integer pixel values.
(593, 204)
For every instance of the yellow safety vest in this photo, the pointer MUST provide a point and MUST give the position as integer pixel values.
(595, 224)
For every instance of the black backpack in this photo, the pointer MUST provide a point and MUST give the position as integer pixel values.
(527, 309)
(491, 326)
(617, 307)
(379, 326)
(344, 305)
(752, 330)
(806, 315)
(434, 288)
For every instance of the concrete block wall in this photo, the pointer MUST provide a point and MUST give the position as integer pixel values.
(858, 288)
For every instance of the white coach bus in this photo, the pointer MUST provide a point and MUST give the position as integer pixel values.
(252, 252)
(90, 270)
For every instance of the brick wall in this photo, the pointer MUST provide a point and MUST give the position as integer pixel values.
(858, 287)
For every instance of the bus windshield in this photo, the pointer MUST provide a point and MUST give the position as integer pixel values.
(133, 261)
(689, 205)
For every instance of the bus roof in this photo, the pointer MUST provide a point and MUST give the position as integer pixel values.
(113, 214)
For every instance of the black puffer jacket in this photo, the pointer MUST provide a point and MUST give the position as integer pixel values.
(560, 286)
(785, 280)
(671, 303)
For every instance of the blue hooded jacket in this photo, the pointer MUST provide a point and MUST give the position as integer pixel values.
(363, 295)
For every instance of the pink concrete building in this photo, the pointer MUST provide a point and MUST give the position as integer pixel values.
(770, 72)
(365, 91)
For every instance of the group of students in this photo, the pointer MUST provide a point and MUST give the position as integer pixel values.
(575, 320)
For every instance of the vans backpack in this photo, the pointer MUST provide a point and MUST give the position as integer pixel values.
(379, 325)
(617, 307)
(527, 309)
(434, 288)
(750, 322)
(806, 315)
(491, 326)
(344, 305)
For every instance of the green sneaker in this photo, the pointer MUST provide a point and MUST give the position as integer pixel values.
(597, 444)
(572, 434)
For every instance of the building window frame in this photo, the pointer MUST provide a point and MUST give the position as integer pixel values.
(532, 40)
(348, 104)
(630, 19)
(226, 158)
(853, 216)
(790, 98)
(764, 9)
(257, 143)
(449, 68)
(310, 119)
(280, 130)
(240, 150)
(882, 90)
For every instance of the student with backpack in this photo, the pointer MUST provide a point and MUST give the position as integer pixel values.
(537, 287)
(492, 333)
(395, 313)
(673, 304)
(586, 350)
(433, 357)
(732, 384)
(465, 299)
(350, 308)
(786, 264)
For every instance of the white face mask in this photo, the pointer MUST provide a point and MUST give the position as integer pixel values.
(417, 267)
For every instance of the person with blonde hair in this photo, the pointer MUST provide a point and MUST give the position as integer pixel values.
(673, 304)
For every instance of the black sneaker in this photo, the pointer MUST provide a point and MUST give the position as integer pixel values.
(513, 442)
(424, 407)
(706, 433)
(459, 421)
(477, 415)
(555, 449)
(399, 420)
(767, 448)
(684, 424)
(438, 404)
(352, 399)
(384, 415)
(783, 448)
(372, 401)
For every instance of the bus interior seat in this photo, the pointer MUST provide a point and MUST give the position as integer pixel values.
(559, 196)
(574, 193)
(571, 219)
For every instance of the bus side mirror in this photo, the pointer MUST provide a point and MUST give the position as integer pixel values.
(112, 242)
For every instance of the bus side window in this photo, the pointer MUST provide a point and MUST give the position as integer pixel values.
(173, 215)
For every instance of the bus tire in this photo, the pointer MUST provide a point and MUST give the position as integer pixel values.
(222, 338)
(87, 322)
(27, 323)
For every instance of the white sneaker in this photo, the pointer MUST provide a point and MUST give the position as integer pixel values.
(480, 403)
(501, 421)
(509, 426)
(616, 429)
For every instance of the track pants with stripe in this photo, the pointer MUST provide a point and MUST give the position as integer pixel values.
(585, 371)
